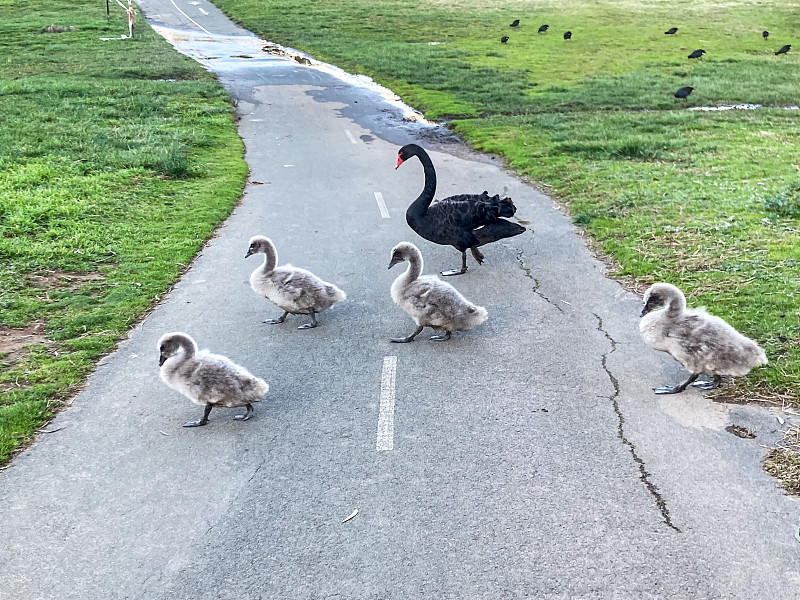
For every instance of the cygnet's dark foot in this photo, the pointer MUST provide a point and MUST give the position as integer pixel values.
(441, 338)
(669, 389)
(677, 389)
(246, 415)
(312, 313)
(278, 320)
(709, 385)
(203, 421)
(410, 338)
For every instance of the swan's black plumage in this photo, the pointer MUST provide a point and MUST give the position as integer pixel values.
(465, 221)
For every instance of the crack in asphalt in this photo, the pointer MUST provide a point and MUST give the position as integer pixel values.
(644, 475)
(239, 493)
(529, 274)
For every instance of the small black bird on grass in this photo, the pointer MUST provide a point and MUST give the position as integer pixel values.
(504, 39)
(671, 31)
(544, 28)
(783, 50)
(567, 35)
(697, 53)
(683, 92)
(765, 34)
(514, 23)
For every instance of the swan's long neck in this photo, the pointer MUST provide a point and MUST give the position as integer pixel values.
(188, 345)
(270, 257)
(414, 269)
(423, 201)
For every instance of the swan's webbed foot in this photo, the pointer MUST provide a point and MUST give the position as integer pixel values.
(709, 385)
(441, 338)
(246, 415)
(668, 389)
(676, 389)
(312, 313)
(203, 421)
(477, 255)
(410, 338)
(456, 271)
(281, 319)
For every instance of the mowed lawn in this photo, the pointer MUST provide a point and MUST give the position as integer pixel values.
(117, 160)
(709, 201)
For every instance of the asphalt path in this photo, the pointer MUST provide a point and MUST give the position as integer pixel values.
(529, 457)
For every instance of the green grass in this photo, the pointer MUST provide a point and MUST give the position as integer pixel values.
(117, 160)
(705, 200)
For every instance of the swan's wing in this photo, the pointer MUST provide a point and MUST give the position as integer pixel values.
(474, 210)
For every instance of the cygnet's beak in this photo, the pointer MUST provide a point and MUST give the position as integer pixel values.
(399, 162)
(645, 310)
(395, 260)
(249, 252)
(161, 360)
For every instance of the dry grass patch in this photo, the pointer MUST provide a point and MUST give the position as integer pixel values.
(783, 462)
(62, 279)
(15, 342)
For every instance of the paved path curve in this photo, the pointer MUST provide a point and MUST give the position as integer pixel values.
(529, 457)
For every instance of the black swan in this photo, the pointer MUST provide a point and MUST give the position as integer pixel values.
(466, 221)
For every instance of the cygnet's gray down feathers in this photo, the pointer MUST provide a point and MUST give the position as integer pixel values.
(699, 341)
(430, 301)
(206, 378)
(292, 289)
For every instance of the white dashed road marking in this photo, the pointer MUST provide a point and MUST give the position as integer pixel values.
(350, 136)
(386, 410)
(382, 205)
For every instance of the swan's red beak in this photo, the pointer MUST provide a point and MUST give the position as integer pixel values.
(399, 162)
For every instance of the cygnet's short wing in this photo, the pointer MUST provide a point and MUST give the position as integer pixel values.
(214, 379)
(707, 344)
(300, 287)
(437, 301)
